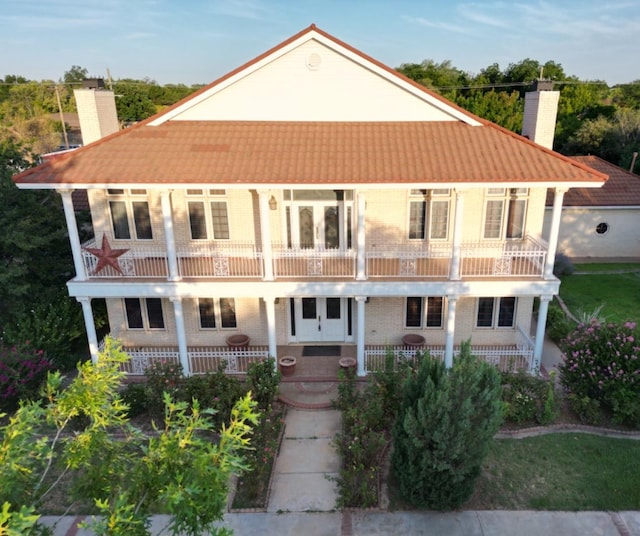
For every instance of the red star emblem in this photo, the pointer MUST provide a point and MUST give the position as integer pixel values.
(106, 256)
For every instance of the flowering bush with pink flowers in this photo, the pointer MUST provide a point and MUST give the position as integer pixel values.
(602, 362)
(23, 369)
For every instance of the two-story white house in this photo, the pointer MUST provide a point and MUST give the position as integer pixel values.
(315, 196)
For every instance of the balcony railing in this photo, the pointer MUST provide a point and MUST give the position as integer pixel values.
(230, 259)
(312, 262)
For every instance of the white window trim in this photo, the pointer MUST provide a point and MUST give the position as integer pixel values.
(128, 198)
(429, 198)
(145, 316)
(206, 197)
(495, 314)
(217, 313)
(423, 316)
(505, 196)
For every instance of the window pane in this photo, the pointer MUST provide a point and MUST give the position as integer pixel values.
(134, 313)
(197, 221)
(309, 309)
(119, 219)
(349, 236)
(331, 227)
(493, 219)
(220, 220)
(417, 211)
(115, 191)
(154, 313)
(439, 219)
(228, 313)
(207, 313)
(485, 313)
(142, 220)
(506, 313)
(434, 312)
(414, 312)
(136, 191)
(333, 308)
(515, 218)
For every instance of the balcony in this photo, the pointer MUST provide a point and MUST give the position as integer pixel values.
(243, 260)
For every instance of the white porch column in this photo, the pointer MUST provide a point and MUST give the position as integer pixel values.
(181, 333)
(540, 330)
(451, 327)
(360, 237)
(454, 273)
(90, 327)
(553, 232)
(74, 237)
(360, 300)
(167, 221)
(269, 302)
(265, 232)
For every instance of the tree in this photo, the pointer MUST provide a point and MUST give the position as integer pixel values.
(505, 109)
(75, 75)
(444, 428)
(35, 255)
(133, 102)
(184, 469)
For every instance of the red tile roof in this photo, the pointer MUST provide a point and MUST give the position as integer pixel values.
(228, 152)
(237, 152)
(622, 188)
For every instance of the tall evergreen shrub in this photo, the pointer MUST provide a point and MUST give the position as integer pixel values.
(445, 426)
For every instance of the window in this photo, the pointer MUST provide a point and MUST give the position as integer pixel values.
(217, 312)
(127, 214)
(433, 222)
(602, 228)
(144, 313)
(416, 315)
(208, 218)
(505, 212)
(496, 312)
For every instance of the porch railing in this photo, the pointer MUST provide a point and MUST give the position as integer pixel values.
(408, 260)
(507, 358)
(141, 261)
(202, 359)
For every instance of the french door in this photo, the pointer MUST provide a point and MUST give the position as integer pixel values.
(317, 224)
(320, 319)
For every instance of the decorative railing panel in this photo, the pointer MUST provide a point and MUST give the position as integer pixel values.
(409, 260)
(313, 262)
(224, 259)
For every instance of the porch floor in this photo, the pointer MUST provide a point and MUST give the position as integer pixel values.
(314, 368)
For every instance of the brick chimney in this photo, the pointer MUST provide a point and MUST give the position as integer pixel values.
(96, 110)
(540, 112)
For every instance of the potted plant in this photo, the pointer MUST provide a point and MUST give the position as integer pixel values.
(287, 365)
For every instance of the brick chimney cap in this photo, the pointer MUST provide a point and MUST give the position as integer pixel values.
(543, 85)
(93, 83)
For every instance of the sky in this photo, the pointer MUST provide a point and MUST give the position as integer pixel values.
(197, 41)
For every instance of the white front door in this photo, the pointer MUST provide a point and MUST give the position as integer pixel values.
(320, 319)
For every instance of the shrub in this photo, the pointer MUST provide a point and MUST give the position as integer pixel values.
(23, 370)
(587, 409)
(162, 376)
(263, 380)
(214, 390)
(134, 395)
(528, 398)
(601, 362)
(444, 428)
(558, 325)
(562, 265)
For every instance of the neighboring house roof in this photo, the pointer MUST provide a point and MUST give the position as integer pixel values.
(457, 147)
(70, 118)
(622, 188)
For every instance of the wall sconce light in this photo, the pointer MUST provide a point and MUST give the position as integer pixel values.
(273, 204)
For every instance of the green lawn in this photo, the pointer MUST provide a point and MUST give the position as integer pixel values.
(618, 293)
(560, 472)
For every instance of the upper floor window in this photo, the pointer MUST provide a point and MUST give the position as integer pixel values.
(144, 313)
(505, 212)
(217, 312)
(208, 216)
(429, 214)
(424, 312)
(130, 210)
(496, 312)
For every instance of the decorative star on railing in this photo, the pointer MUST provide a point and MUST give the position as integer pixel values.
(107, 256)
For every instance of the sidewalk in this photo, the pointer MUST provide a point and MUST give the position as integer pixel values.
(374, 523)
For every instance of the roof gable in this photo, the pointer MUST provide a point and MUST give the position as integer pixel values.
(314, 77)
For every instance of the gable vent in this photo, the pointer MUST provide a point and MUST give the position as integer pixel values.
(313, 61)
